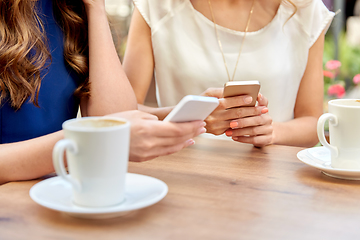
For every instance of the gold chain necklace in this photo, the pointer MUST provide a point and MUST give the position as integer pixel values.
(242, 42)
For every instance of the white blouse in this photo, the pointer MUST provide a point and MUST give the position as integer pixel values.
(188, 59)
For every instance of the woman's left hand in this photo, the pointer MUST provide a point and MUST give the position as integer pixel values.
(256, 130)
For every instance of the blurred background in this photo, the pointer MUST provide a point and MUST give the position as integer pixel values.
(119, 14)
(341, 52)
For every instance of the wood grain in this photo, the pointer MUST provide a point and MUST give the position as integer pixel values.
(217, 190)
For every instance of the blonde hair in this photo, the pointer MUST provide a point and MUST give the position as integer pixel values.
(296, 4)
(24, 51)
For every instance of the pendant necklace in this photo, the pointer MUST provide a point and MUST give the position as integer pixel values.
(242, 42)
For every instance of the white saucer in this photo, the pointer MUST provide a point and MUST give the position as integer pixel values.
(141, 191)
(319, 157)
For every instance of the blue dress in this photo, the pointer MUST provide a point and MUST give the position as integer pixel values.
(56, 99)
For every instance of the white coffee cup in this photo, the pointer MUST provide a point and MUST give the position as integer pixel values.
(97, 153)
(344, 130)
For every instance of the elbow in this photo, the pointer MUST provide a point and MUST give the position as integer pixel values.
(311, 140)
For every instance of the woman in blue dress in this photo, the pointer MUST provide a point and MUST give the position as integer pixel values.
(54, 56)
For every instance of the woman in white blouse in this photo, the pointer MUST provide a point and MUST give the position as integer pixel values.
(195, 46)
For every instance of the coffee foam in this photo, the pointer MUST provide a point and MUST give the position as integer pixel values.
(98, 123)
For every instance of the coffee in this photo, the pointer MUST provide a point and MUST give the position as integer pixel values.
(97, 123)
(346, 102)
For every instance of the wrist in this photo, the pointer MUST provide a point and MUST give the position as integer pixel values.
(161, 113)
(273, 135)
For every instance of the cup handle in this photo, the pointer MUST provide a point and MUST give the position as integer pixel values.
(321, 135)
(58, 160)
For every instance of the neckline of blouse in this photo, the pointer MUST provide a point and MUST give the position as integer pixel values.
(221, 28)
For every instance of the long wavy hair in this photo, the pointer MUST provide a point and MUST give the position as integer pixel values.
(24, 50)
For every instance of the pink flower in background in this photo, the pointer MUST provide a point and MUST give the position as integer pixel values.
(337, 90)
(333, 64)
(356, 79)
(328, 74)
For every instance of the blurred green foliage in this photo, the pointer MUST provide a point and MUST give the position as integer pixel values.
(349, 56)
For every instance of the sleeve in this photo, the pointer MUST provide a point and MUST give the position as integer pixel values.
(155, 11)
(315, 18)
(143, 7)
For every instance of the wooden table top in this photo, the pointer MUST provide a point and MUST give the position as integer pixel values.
(217, 190)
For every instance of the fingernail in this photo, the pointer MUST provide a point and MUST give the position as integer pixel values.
(190, 142)
(235, 138)
(265, 110)
(233, 124)
(203, 124)
(228, 133)
(248, 100)
(203, 130)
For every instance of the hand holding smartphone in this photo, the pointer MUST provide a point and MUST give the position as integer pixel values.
(192, 108)
(237, 88)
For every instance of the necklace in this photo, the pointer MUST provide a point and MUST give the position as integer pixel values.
(242, 42)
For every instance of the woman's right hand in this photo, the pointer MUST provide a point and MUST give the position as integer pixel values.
(151, 138)
(229, 109)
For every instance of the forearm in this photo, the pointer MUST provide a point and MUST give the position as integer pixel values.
(27, 159)
(297, 132)
(110, 89)
(161, 113)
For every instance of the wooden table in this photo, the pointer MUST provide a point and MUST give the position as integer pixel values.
(217, 190)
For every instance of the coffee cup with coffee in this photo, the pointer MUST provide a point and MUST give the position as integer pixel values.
(97, 153)
(344, 131)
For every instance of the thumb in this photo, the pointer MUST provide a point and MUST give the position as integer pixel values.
(148, 116)
(262, 101)
(213, 92)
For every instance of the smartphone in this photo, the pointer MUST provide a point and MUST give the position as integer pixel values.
(192, 108)
(237, 88)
